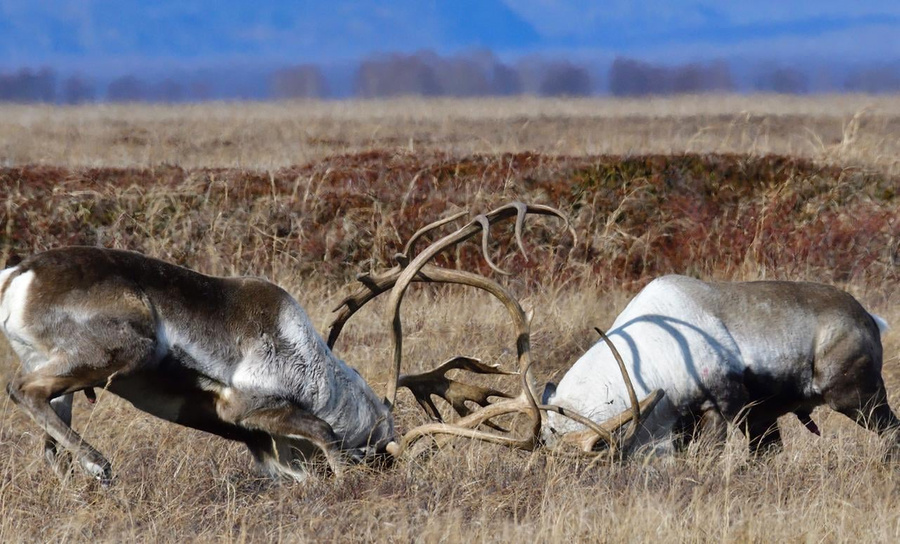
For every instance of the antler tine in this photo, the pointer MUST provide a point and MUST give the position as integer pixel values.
(435, 382)
(407, 249)
(485, 243)
(521, 210)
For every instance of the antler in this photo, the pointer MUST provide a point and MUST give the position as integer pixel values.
(435, 382)
(479, 223)
(375, 284)
(398, 279)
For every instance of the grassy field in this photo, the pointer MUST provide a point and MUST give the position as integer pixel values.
(309, 194)
(843, 129)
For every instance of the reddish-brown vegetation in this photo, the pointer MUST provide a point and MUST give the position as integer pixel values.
(636, 217)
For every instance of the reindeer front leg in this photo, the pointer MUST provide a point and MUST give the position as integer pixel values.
(280, 418)
(34, 392)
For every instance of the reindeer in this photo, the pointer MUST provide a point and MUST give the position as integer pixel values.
(732, 352)
(239, 358)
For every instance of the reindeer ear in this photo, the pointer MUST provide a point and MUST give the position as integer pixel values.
(549, 393)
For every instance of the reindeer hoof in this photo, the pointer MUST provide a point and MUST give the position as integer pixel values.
(99, 468)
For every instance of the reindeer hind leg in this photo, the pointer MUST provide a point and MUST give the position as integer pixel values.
(58, 460)
(34, 392)
(91, 354)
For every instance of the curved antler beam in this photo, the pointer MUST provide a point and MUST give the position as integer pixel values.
(467, 231)
(376, 284)
(407, 249)
(632, 396)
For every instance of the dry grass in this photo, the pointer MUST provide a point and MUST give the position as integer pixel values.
(310, 228)
(175, 484)
(846, 128)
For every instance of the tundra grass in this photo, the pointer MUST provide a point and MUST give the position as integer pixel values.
(310, 214)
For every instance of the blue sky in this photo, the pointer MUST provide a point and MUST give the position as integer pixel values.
(767, 28)
(122, 32)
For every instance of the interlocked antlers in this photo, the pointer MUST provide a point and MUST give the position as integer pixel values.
(457, 394)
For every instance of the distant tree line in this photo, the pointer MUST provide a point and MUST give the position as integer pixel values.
(429, 74)
(629, 77)
(28, 86)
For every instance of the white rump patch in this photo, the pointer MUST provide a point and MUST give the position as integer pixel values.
(15, 297)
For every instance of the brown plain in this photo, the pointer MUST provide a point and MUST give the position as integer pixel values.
(307, 194)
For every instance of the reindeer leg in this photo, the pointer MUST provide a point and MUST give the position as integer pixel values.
(282, 420)
(59, 461)
(707, 429)
(295, 424)
(764, 435)
(34, 392)
(712, 430)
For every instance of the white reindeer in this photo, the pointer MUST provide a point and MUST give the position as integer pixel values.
(744, 352)
(237, 357)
